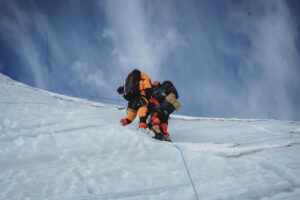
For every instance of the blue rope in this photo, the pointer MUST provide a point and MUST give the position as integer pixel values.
(187, 169)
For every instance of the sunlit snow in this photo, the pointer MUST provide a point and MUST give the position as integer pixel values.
(58, 147)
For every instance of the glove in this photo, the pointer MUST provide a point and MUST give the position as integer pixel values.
(124, 121)
(120, 90)
(142, 125)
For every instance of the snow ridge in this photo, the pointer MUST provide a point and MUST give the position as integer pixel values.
(231, 150)
(57, 147)
(190, 118)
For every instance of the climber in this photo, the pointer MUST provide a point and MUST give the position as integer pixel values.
(137, 91)
(162, 103)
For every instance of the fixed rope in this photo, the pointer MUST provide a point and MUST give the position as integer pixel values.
(187, 169)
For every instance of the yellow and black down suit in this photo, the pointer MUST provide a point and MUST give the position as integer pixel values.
(137, 104)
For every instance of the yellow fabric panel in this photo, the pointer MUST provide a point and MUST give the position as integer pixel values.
(131, 114)
(142, 111)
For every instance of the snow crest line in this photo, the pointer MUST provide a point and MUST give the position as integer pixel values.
(233, 151)
(188, 118)
(23, 102)
(64, 97)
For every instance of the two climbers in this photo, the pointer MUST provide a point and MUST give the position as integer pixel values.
(153, 103)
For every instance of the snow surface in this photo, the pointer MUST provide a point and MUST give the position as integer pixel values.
(58, 147)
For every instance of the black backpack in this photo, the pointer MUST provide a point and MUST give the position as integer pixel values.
(132, 84)
(169, 88)
(160, 92)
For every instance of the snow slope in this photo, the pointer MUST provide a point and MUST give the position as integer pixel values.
(58, 147)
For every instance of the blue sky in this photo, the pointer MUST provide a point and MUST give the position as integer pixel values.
(227, 58)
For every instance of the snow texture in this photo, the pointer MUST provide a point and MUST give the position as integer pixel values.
(58, 147)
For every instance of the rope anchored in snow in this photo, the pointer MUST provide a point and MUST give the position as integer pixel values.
(187, 169)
